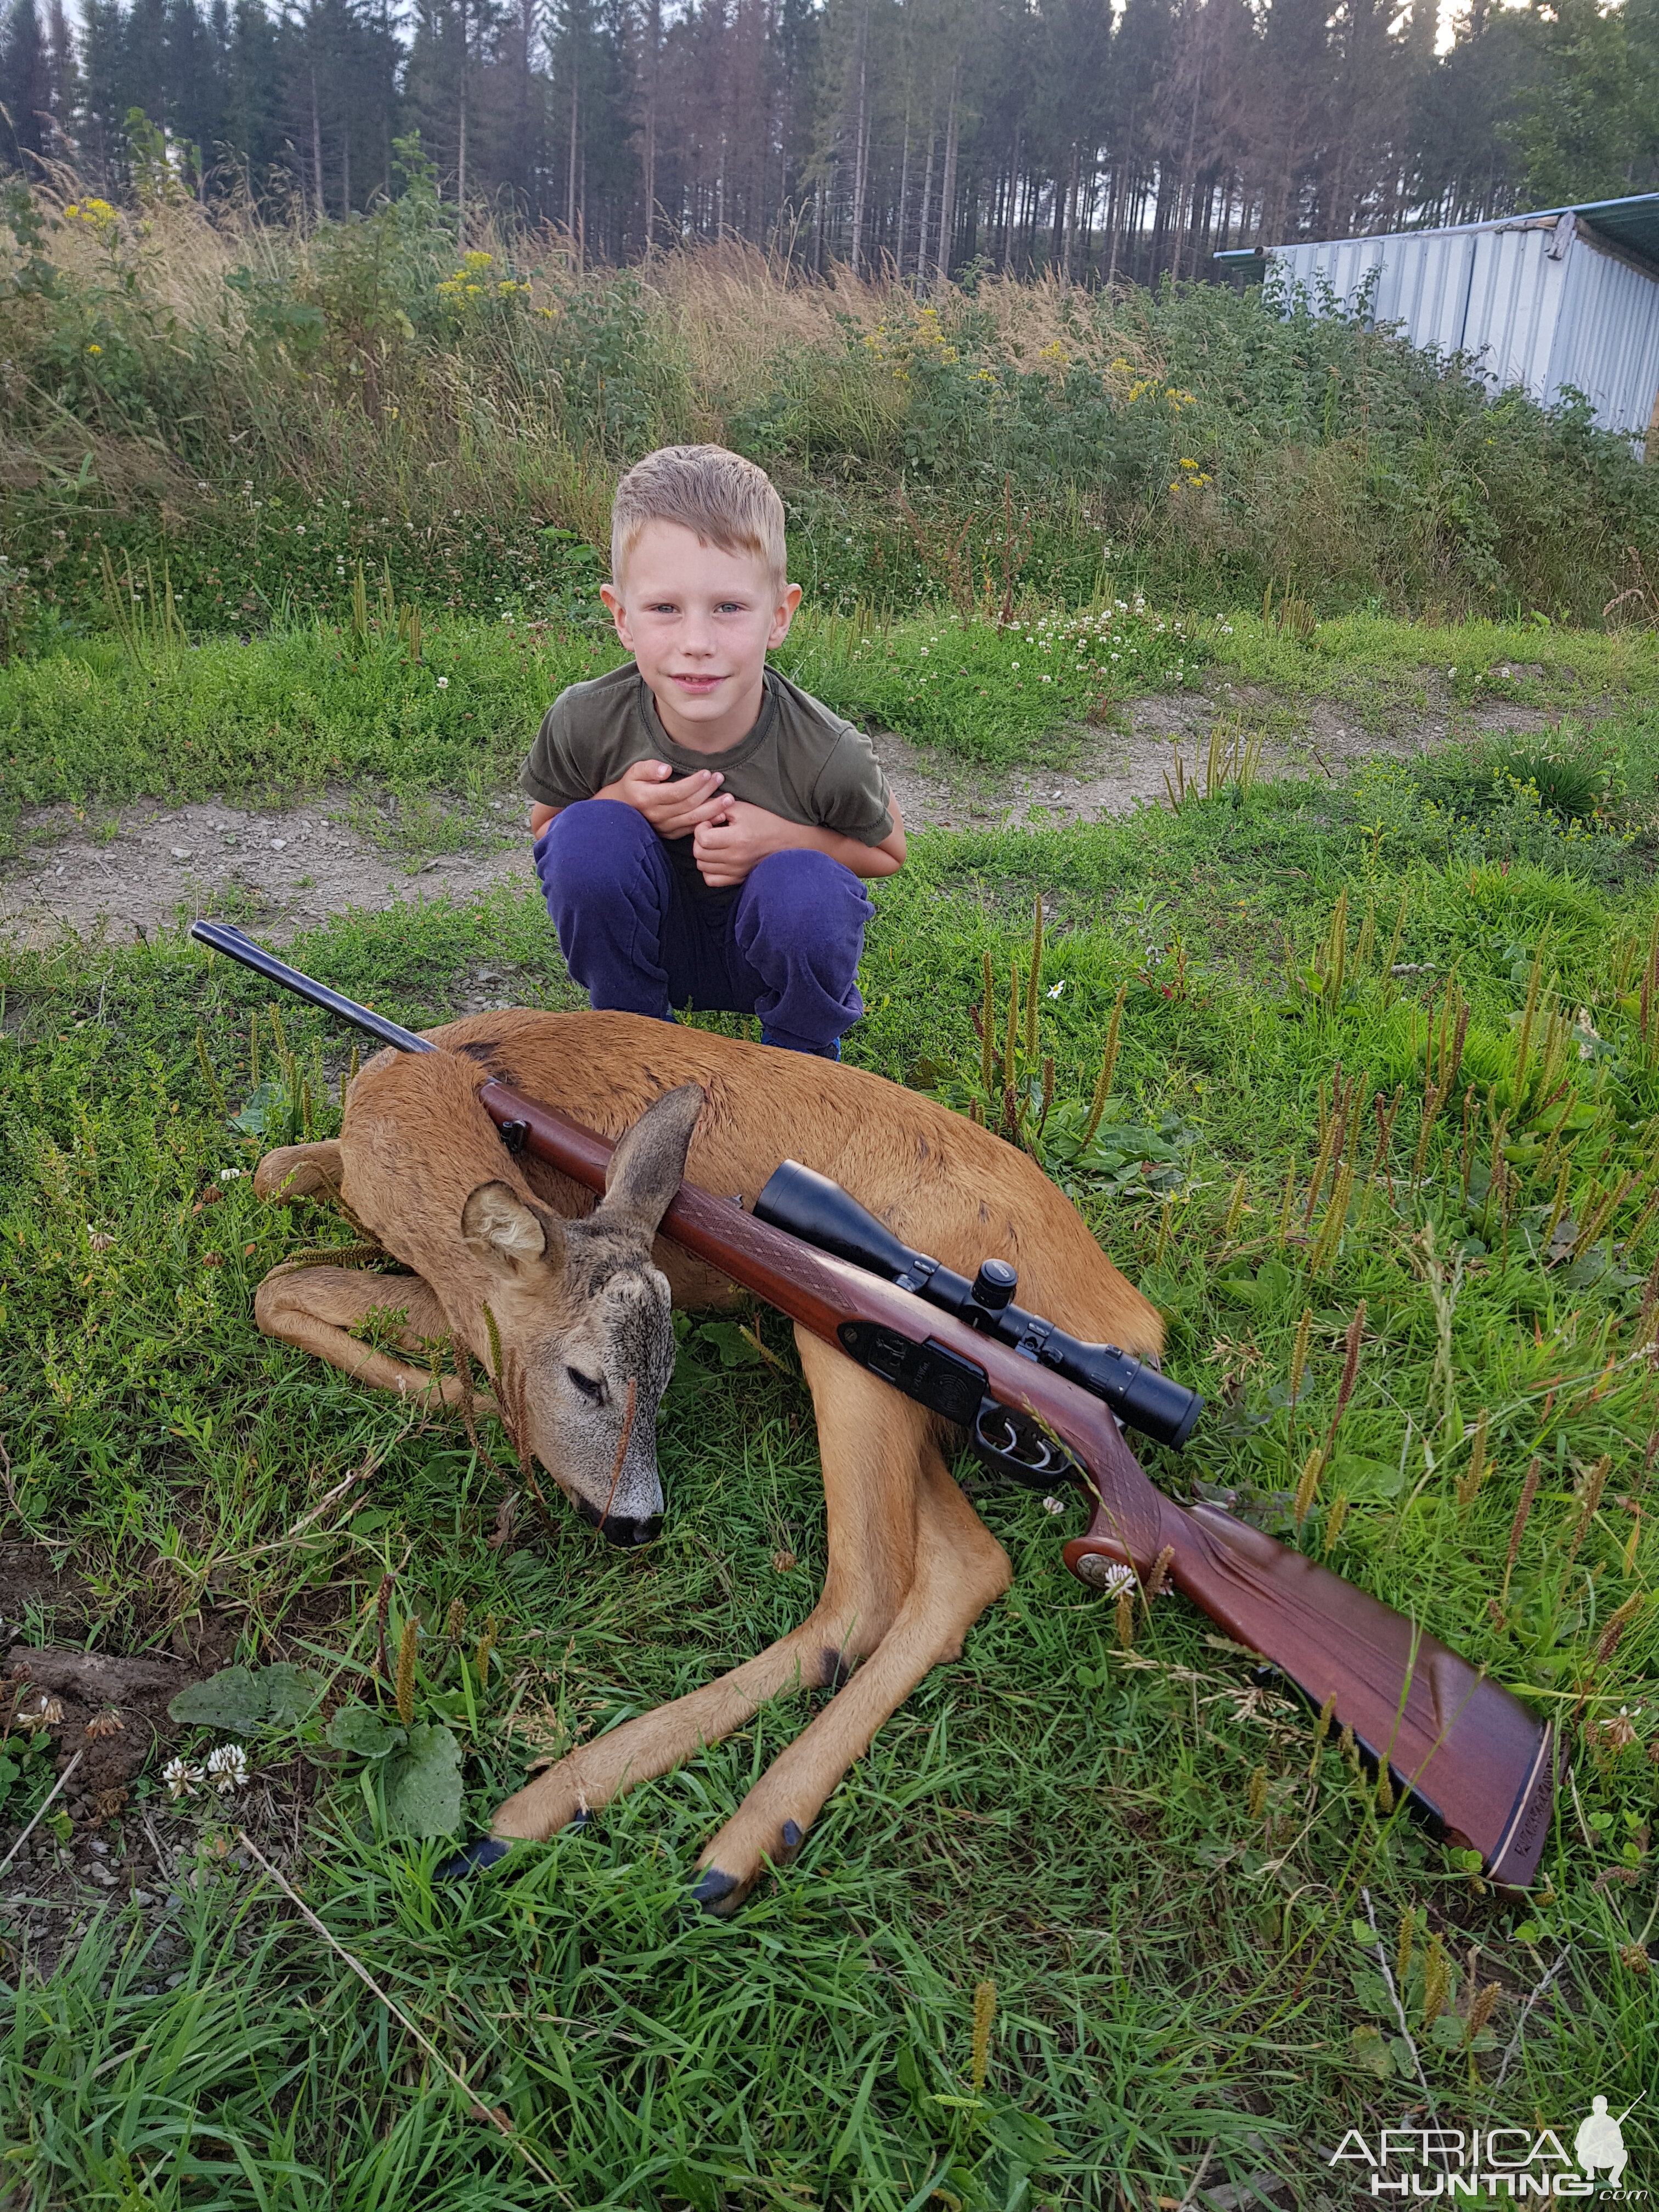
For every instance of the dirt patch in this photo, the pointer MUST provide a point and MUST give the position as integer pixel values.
(280, 870)
(150, 866)
(1115, 771)
(146, 1865)
(34, 1587)
(103, 1717)
(110, 1712)
(106, 1844)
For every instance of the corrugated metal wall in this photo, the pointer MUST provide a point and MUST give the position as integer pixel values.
(1515, 303)
(1606, 340)
(1535, 301)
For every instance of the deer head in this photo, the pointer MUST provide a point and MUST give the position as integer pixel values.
(583, 1321)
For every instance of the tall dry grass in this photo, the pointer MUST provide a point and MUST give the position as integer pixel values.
(739, 314)
(369, 372)
(185, 367)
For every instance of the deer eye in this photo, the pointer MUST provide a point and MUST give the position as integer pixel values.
(593, 1391)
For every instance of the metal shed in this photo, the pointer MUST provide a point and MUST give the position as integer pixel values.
(1567, 297)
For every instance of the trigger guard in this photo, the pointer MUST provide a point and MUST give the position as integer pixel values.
(1021, 1452)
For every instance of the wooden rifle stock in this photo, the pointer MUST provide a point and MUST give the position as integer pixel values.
(1476, 1763)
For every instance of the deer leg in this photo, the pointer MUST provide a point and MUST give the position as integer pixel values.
(876, 1437)
(293, 1171)
(960, 1570)
(317, 1309)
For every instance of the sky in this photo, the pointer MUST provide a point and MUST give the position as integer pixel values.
(1451, 14)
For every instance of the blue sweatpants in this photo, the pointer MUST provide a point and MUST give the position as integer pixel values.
(641, 941)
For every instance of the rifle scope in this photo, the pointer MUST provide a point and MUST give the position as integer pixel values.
(819, 1212)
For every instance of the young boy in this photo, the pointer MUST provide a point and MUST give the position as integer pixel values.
(700, 824)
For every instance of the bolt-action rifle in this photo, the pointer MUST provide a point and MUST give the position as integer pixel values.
(1468, 1756)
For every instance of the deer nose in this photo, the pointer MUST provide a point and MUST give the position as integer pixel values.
(618, 1529)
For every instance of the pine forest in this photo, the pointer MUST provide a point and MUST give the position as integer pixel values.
(903, 138)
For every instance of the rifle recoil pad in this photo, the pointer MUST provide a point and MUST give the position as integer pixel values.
(820, 1213)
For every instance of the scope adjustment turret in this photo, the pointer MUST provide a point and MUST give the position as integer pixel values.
(995, 1285)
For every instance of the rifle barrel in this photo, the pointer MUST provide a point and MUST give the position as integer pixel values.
(225, 937)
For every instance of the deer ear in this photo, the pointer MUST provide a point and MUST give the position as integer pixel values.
(648, 1166)
(499, 1226)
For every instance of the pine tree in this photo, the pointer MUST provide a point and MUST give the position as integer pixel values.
(910, 136)
(25, 89)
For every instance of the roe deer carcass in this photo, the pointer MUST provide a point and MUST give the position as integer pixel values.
(580, 1297)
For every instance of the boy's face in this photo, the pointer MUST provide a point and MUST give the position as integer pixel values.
(699, 622)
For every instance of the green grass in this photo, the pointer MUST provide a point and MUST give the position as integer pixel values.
(990, 693)
(101, 722)
(1131, 1845)
(98, 723)
(1375, 658)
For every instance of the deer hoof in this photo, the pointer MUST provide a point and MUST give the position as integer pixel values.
(793, 1837)
(715, 1891)
(472, 1858)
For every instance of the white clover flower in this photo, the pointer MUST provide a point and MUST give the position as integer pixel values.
(227, 1768)
(181, 1778)
(229, 1174)
(1054, 1504)
(443, 683)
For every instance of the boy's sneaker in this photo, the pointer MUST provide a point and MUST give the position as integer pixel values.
(823, 1052)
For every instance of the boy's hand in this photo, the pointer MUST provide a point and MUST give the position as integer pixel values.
(737, 838)
(673, 809)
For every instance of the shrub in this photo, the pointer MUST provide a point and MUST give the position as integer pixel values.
(1573, 774)
(177, 379)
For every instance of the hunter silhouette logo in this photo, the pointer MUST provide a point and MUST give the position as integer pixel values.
(1499, 2162)
(1600, 2141)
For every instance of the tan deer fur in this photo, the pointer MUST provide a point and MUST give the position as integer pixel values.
(911, 1566)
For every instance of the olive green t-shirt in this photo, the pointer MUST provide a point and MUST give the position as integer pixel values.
(799, 761)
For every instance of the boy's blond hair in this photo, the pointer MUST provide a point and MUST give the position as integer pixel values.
(726, 500)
